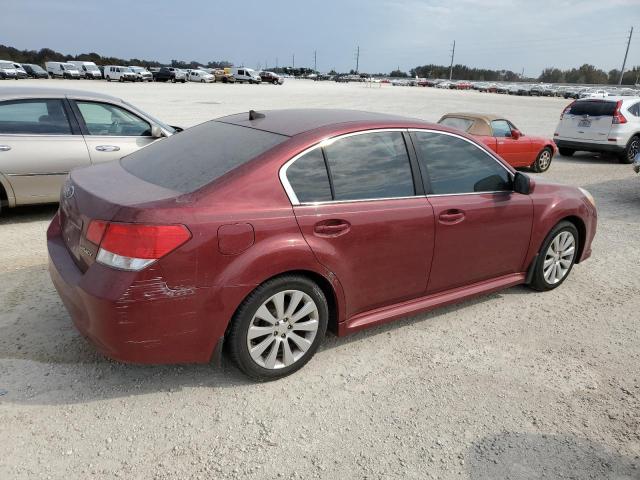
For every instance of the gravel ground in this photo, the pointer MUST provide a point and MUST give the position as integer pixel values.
(517, 384)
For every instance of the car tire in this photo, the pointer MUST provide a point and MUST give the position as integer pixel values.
(278, 350)
(543, 161)
(275, 82)
(224, 80)
(631, 150)
(108, 78)
(566, 152)
(556, 257)
(202, 81)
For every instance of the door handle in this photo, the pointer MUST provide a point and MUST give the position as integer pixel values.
(4, 148)
(107, 148)
(332, 228)
(451, 217)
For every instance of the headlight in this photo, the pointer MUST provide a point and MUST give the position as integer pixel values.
(588, 197)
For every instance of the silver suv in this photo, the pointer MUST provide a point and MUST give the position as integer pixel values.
(609, 124)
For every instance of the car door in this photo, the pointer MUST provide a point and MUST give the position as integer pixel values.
(39, 144)
(482, 227)
(111, 131)
(363, 219)
(514, 150)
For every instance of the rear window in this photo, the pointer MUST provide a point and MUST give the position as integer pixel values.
(455, 122)
(593, 108)
(194, 158)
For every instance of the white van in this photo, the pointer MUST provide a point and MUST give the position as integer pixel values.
(87, 69)
(62, 70)
(243, 74)
(119, 73)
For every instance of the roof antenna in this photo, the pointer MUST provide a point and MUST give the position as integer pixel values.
(253, 115)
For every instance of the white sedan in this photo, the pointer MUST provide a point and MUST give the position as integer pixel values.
(200, 76)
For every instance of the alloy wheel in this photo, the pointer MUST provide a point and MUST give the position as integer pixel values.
(544, 160)
(559, 257)
(283, 329)
(634, 148)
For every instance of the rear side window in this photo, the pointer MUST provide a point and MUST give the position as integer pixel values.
(194, 158)
(635, 109)
(369, 166)
(463, 124)
(453, 165)
(309, 178)
(36, 117)
(593, 108)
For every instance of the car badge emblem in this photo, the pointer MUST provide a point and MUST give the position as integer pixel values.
(68, 191)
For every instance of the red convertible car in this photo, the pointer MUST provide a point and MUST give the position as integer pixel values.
(262, 230)
(501, 136)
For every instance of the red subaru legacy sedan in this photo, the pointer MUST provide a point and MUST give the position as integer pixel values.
(262, 230)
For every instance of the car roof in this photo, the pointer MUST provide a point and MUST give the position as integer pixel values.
(10, 93)
(481, 124)
(292, 122)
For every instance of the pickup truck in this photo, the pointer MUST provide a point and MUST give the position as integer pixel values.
(169, 74)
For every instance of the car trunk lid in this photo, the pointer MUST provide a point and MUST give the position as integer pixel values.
(103, 192)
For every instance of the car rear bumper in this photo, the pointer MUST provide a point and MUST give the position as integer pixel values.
(136, 317)
(612, 147)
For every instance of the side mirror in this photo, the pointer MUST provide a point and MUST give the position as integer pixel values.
(516, 134)
(521, 183)
(156, 132)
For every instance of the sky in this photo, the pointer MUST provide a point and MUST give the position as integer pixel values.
(497, 34)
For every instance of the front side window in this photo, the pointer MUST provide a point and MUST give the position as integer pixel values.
(309, 178)
(501, 128)
(36, 117)
(453, 165)
(107, 119)
(370, 166)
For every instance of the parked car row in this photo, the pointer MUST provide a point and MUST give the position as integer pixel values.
(523, 89)
(135, 73)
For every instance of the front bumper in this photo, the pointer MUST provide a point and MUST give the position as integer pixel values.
(137, 317)
(589, 146)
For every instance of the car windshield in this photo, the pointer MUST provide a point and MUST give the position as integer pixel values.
(69, 66)
(91, 68)
(199, 155)
(136, 69)
(36, 68)
(6, 65)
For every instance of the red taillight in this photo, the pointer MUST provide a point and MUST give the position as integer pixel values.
(618, 118)
(143, 241)
(566, 110)
(96, 231)
(133, 246)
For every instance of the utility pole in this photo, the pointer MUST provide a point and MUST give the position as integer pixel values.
(293, 61)
(624, 62)
(315, 60)
(357, 58)
(276, 63)
(453, 52)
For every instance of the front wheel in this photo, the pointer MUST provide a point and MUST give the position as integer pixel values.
(631, 150)
(556, 257)
(278, 327)
(543, 162)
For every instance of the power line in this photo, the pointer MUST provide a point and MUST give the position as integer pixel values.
(624, 62)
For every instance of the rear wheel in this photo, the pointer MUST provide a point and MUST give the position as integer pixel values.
(108, 78)
(566, 152)
(556, 257)
(543, 162)
(278, 327)
(630, 152)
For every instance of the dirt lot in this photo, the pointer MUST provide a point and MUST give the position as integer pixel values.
(517, 385)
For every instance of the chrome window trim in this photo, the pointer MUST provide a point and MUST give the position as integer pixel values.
(41, 135)
(293, 198)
